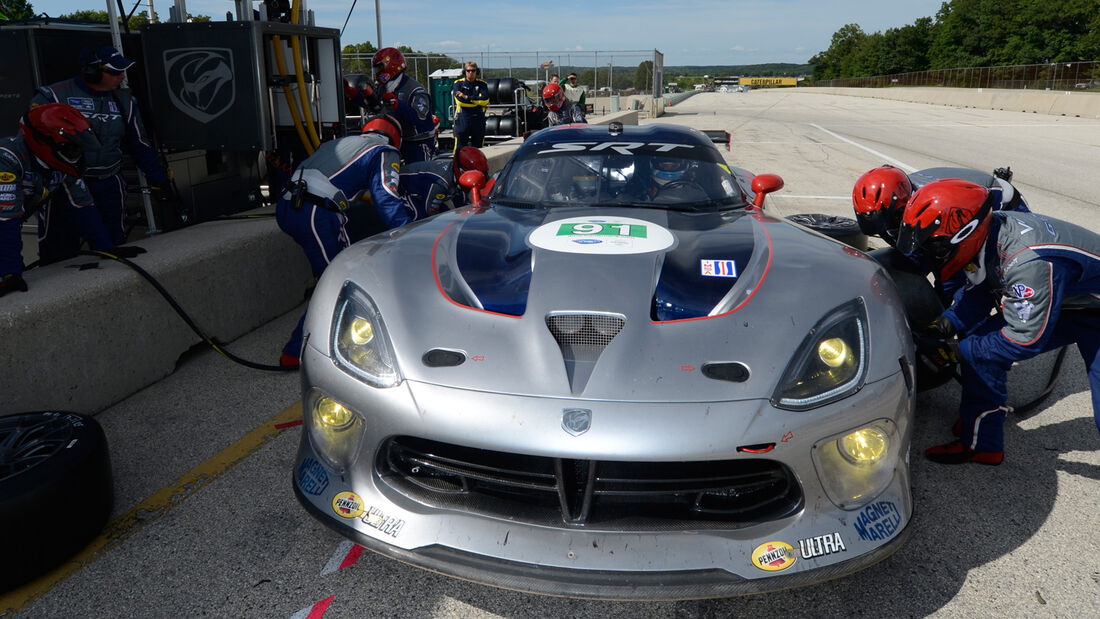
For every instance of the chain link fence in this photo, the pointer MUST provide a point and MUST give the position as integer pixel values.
(602, 72)
(1048, 76)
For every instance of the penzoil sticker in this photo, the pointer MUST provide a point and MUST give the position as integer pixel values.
(773, 556)
(347, 505)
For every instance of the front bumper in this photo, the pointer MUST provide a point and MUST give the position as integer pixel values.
(598, 560)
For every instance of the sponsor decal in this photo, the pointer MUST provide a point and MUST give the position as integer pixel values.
(601, 236)
(7, 177)
(389, 525)
(878, 521)
(440, 196)
(396, 166)
(1022, 291)
(576, 421)
(9, 186)
(718, 268)
(84, 104)
(312, 478)
(1023, 310)
(347, 505)
(821, 545)
(773, 556)
(7, 198)
(200, 81)
(111, 105)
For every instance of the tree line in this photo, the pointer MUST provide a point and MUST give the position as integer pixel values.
(968, 33)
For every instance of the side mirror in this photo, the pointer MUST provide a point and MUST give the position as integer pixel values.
(762, 185)
(472, 181)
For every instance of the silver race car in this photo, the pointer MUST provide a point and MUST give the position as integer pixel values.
(617, 377)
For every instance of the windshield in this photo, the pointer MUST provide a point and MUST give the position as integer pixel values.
(677, 177)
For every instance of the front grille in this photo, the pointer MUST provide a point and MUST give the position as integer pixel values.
(631, 495)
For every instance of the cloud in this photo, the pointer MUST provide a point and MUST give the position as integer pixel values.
(738, 48)
(448, 43)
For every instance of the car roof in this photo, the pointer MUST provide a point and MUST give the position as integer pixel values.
(655, 133)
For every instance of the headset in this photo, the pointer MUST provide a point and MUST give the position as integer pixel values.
(92, 73)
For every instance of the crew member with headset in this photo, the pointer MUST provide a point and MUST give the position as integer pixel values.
(115, 120)
(339, 173)
(471, 95)
(410, 102)
(46, 158)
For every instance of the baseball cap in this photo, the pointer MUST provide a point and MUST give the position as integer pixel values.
(106, 56)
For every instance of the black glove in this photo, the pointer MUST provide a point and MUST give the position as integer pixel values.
(126, 251)
(12, 282)
(937, 345)
(1004, 174)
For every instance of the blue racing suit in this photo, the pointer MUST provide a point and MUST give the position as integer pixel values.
(470, 112)
(338, 173)
(430, 188)
(1043, 275)
(414, 111)
(117, 124)
(24, 185)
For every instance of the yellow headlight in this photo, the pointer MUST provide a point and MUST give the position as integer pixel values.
(332, 415)
(864, 446)
(833, 352)
(361, 331)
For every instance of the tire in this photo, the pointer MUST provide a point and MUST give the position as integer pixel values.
(507, 125)
(843, 229)
(492, 125)
(492, 83)
(56, 490)
(506, 90)
(921, 305)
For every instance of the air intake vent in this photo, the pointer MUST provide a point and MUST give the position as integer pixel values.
(584, 330)
(582, 337)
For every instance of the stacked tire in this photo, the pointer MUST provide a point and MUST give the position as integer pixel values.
(56, 491)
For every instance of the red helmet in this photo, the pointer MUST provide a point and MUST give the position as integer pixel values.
(470, 158)
(386, 126)
(554, 97)
(58, 135)
(945, 224)
(879, 198)
(388, 63)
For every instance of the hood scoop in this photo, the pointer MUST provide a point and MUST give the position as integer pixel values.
(583, 336)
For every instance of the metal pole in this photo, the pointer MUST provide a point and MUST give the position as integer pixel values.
(378, 21)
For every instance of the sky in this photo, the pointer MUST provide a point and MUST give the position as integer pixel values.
(687, 32)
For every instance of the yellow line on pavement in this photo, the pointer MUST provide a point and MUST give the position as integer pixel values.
(153, 507)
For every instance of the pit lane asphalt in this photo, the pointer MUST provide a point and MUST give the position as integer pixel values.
(208, 525)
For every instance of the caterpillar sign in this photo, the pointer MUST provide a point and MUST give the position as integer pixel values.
(769, 81)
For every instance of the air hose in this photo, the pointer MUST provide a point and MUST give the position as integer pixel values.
(190, 322)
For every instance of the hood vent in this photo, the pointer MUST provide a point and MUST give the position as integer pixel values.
(582, 337)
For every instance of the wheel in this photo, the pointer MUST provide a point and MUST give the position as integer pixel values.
(492, 125)
(56, 490)
(492, 83)
(507, 125)
(843, 229)
(921, 305)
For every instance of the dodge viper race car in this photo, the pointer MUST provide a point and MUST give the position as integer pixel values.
(617, 377)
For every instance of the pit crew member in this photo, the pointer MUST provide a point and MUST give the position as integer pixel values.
(471, 96)
(411, 103)
(561, 110)
(432, 187)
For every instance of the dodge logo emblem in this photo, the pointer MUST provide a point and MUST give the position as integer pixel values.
(200, 81)
(576, 421)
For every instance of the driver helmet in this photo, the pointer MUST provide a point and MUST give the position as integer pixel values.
(945, 224)
(879, 198)
(668, 169)
(470, 158)
(554, 97)
(58, 135)
(388, 63)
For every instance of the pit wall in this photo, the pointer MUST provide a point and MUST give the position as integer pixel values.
(1055, 102)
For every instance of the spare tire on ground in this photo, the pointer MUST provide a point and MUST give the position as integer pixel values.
(56, 490)
(843, 229)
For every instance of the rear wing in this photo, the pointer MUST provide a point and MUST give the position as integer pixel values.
(718, 136)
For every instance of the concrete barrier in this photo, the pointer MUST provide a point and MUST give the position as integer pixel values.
(83, 338)
(1062, 103)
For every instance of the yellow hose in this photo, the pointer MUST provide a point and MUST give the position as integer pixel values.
(290, 102)
(295, 46)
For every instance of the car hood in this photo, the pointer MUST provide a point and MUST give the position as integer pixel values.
(617, 304)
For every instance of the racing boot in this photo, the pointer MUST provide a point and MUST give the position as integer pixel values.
(957, 453)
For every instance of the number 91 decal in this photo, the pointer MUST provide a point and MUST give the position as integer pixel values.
(601, 236)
